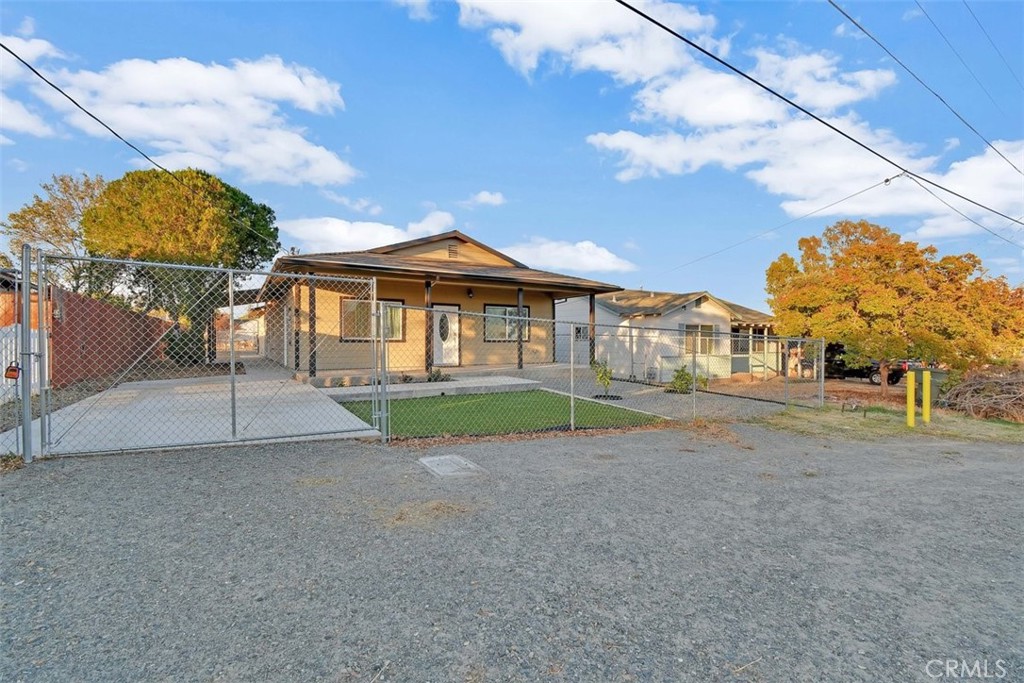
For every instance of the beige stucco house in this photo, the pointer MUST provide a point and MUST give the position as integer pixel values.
(471, 297)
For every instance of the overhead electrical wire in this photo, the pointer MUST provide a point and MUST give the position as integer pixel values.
(780, 226)
(957, 53)
(804, 110)
(127, 142)
(966, 217)
(925, 85)
(994, 46)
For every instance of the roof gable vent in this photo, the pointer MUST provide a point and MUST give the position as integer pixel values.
(453, 250)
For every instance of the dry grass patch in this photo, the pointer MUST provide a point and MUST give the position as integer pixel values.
(9, 463)
(425, 513)
(880, 423)
(715, 432)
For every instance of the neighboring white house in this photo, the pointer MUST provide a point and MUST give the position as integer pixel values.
(647, 335)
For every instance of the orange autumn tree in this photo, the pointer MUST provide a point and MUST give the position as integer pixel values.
(885, 298)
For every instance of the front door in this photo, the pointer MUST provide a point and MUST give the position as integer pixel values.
(446, 334)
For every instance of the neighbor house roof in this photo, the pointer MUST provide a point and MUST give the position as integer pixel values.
(384, 261)
(630, 303)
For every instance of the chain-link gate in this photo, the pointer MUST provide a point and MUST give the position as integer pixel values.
(138, 355)
(451, 372)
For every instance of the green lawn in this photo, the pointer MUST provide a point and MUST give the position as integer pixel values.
(501, 413)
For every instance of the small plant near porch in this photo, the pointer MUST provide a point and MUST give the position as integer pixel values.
(603, 376)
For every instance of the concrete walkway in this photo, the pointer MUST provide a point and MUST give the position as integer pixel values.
(187, 412)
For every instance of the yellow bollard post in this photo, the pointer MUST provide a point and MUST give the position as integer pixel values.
(926, 396)
(911, 408)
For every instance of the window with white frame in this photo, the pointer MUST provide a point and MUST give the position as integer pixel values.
(357, 320)
(501, 323)
(703, 336)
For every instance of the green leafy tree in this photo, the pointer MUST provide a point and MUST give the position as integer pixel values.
(191, 218)
(53, 222)
(885, 299)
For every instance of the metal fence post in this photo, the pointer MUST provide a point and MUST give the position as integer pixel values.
(785, 368)
(572, 377)
(26, 352)
(385, 407)
(231, 352)
(42, 341)
(693, 382)
(821, 373)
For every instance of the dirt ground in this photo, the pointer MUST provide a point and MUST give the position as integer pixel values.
(715, 553)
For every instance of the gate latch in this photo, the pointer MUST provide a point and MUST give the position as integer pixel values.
(13, 371)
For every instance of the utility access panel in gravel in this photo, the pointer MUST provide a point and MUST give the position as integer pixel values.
(450, 466)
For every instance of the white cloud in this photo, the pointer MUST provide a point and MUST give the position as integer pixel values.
(844, 30)
(213, 116)
(27, 27)
(599, 36)
(361, 205)
(951, 144)
(328, 234)
(18, 165)
(484, 198)
(913, 13)
(814, 80)
(15, 117)
(558, 255)
(419, 10)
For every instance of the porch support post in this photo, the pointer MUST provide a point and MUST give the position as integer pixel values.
(593, 327)
(312, 327)
(428, 331)
(519, 328)
(296, 336)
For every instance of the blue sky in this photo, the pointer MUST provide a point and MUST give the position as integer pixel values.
(571, 135)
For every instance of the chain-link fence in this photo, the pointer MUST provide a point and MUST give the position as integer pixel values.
(144, 355)
(449, 372)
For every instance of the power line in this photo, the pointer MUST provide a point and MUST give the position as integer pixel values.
(969, 70)
(119, 137)
(925, 85)
(807, 112)
(779, 227)
(966, 217)
(994, 46)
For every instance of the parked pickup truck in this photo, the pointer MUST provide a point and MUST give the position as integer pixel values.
(836, 368)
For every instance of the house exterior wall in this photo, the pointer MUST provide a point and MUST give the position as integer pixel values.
(409, 353)
(463, 252)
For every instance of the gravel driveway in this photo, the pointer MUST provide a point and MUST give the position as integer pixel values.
(650, 556)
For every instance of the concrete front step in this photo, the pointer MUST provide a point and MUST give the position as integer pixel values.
(454, 387)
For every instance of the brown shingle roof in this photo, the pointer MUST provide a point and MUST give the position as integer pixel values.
(370, 262)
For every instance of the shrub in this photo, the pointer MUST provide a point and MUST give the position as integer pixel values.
(435, 375)
(603, 374)
(187, 347)
(682, 382)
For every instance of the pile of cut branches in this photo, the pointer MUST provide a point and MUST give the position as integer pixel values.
(990, 394)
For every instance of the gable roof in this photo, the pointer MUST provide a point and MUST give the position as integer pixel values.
(388, 260)
(441, 237)
(629, 303)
